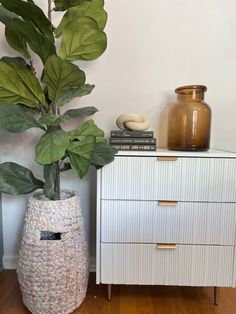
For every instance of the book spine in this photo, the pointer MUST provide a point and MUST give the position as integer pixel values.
(131, 140)
(134, 147)
(145, 134)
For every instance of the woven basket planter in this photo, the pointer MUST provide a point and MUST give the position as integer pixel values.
(53, 261)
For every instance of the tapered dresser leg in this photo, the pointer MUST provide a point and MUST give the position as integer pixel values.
(216, 295)
(109, 292)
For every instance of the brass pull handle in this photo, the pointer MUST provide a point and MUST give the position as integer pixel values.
(166, 246)
(167, 203)
(166, 158)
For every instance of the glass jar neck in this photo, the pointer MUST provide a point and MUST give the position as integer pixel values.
(195, 95)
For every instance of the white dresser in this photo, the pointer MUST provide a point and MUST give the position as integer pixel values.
(167, 218)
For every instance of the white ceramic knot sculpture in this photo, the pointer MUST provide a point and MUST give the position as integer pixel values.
(132, 121)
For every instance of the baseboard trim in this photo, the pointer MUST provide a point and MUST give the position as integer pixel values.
(92, 265)
(10, 262)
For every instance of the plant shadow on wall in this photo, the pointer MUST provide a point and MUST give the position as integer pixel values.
(53, 259)
(25, 102)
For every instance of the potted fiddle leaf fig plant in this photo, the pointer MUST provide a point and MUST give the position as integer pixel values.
(36, 100)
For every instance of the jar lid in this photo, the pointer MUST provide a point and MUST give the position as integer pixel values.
(190, 89)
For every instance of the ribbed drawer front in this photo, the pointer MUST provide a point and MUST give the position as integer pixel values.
(185, 223)
(190, 265)
(186, 179)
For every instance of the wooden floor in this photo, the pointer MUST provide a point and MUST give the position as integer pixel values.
(130, 299)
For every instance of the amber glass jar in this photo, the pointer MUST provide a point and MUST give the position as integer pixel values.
(189, 120)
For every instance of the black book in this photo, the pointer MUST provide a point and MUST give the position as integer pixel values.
(134, 147)
(125, 133)
(132, 140)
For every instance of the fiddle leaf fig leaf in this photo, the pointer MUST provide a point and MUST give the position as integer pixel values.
(51, 147)
(74, 92)
(104, 154)
(86, 129)
(16, 179)
(81, 112)
(92, 9)
(52, 120)
(17, 118)
(30, 81)
(38, 42)
(18, 60)
(62, 5)
(82, 40)
(80, 154)
(50, 174)
(13, 89)
(60, 76)
(16, 42)
(7, 17)
(32, 13)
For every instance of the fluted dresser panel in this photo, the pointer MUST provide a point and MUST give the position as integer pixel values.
(186, 223)
(184, 179)
(187, 265)
(167, 218)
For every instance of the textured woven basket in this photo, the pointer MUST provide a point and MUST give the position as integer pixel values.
(53, 274)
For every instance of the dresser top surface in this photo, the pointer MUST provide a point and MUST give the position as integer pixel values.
(165, 152)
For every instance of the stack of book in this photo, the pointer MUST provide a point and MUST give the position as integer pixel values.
(133, 140)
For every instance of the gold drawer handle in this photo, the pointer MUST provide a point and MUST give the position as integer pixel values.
(167, 203)
(166, 246)
(166, 158)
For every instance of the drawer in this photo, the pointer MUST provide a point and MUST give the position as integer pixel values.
(186, 179)
(185, 223)
(190, 265)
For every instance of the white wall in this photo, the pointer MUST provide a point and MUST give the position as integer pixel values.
(153, 47)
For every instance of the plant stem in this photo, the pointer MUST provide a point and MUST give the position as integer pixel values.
(55, 112)
(50, 10)
(57, 183)
(54, 109)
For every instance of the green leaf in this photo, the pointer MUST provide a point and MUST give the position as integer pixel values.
(51, 147)
(92, 9)
(86, 129)
(80, 154)
(7, 17)
(12, 87)
(82, 40)
(52, 120)
(32, 13)
(18, 60)
(17, 42)
(50, 174)
(62, 5)
(60, 76)
(37, 41)
(81, 112)
(31, 82)
(74, 92)
(104, 154)
(17, 118)
(16, 179)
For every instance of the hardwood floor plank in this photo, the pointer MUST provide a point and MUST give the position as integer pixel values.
(129, 299)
